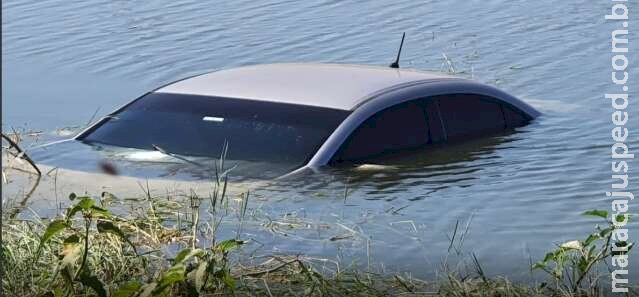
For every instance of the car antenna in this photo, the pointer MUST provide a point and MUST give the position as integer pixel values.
(399, 53)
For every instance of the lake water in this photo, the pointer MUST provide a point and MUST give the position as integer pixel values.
(523, 193)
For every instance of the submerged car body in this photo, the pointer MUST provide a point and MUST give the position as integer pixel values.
(309, 115)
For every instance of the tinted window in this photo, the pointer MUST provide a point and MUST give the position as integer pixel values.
(199, 125)
(514, 118)
(437, 119)
(468, 116)
(395, 129)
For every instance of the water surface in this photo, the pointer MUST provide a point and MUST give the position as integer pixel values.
(524, 192)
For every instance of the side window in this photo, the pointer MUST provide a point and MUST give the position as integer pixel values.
(397, 128)
(467, 116)
(432, 120)
(514, 118)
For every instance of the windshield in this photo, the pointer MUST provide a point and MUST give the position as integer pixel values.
(194, 125)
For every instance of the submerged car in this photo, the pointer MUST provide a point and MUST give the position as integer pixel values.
(309, 115)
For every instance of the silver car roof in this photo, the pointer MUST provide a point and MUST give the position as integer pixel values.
(337, 86)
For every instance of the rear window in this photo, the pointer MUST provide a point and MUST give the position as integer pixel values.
(193, 125)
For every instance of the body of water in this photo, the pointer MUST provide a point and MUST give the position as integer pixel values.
(518, 194)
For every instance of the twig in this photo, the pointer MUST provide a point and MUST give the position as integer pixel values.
(480, 271)
(21, 170)
(401, 281)
(274, 269)
(267, 288)
(22, 154)
(23, 203)
(452, 240)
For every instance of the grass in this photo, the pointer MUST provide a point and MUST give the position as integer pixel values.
(114, 269)
(90, 251)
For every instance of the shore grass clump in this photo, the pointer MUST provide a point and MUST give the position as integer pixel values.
(575, 266)
(89, 250)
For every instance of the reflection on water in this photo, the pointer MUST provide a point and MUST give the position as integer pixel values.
(430, 169)
(522, 192)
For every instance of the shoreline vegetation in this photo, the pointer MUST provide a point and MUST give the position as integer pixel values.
(94, 248)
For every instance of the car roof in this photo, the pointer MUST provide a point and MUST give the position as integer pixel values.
(337, 86)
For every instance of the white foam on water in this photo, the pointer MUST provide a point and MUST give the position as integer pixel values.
(546, 105)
